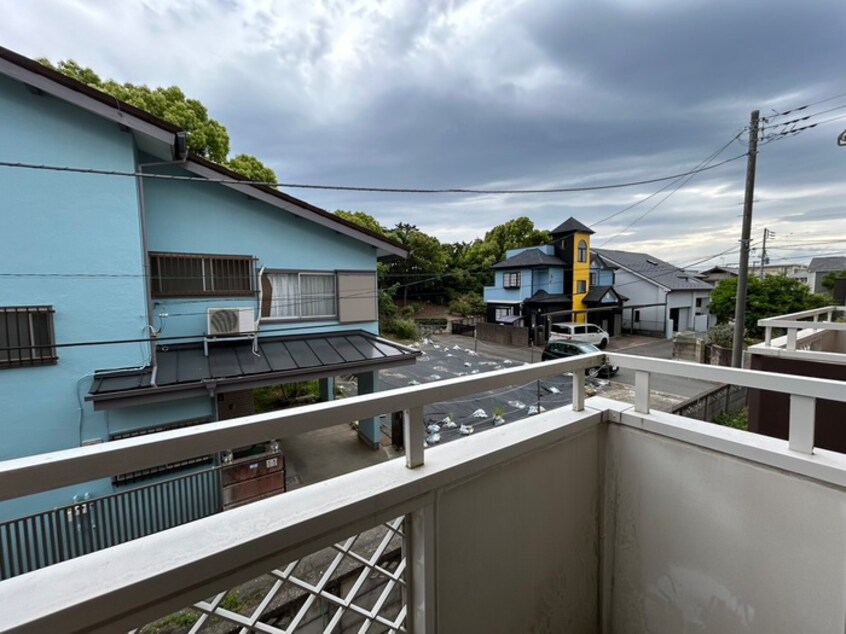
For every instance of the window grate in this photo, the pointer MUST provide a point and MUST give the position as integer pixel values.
(26, 336)
(187, 275)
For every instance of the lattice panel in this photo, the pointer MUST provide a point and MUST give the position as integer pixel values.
(357, 585)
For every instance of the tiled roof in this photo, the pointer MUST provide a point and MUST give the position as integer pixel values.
(571, 225)
(655, 270)
(830, 263)
(529, 258)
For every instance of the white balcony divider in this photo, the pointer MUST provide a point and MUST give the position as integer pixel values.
(794, 322)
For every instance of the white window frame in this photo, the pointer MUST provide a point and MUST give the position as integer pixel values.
(511, 275)
(299, 296)
(581, 287)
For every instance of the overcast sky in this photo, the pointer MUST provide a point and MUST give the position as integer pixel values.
(503, 94)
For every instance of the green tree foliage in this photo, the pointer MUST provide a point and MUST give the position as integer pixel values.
(772, 296)
(520, 232)
(421, 275)
(206, 136)
(830, 278)
(363, 220)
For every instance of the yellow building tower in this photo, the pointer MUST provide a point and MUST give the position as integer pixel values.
(572, 244)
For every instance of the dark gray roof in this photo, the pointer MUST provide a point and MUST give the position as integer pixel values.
(655, 270)
(829, 263)
(571, 225)
(596, 293)
(542, 297)
(185, 369)
(719, 269)
(529, 258)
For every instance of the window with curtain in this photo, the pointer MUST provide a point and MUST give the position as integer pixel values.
(299, 295)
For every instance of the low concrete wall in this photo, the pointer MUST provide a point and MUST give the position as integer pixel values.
(687, 347)
(721, 400)
(503, 335)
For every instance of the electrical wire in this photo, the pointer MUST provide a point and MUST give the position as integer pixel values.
(351, 188)
(681, 183)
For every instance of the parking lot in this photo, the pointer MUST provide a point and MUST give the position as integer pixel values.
(451, 420)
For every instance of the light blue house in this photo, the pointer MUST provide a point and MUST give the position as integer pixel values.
(555, 282)
(131, 304)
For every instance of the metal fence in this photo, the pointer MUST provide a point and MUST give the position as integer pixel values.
(46, 538)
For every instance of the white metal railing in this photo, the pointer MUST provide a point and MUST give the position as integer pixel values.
(795, 322)
(125, 586)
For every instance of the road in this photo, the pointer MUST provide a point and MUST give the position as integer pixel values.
(640, 346)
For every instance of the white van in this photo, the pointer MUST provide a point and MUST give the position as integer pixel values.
(589, 333)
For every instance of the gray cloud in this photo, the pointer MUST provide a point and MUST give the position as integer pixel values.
(503, 94)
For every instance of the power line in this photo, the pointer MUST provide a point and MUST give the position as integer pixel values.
(805, 107)
(681, 182)
(351, 188)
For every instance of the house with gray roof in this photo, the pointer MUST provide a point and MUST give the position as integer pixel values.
(822, 266)
(661, 296)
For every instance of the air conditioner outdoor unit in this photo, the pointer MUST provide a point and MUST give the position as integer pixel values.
(230, 322)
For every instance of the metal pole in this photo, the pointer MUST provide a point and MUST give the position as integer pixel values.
(742, 278)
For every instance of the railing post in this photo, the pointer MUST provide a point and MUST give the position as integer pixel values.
(420, 544)
(578, 391)
(791, 338)
(802, 423)
(414, 434)
(641, 392)
(768, 335)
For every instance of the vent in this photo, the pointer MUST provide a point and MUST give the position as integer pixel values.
(230, 322)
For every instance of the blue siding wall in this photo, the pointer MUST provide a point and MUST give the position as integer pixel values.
(75, 246)
(208, 218)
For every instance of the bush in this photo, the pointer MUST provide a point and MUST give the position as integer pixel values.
(738, 420)
(402, 328)
(722, 335)
(440, 322)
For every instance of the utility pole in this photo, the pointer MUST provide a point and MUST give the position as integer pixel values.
(764, 259)
(743, 276)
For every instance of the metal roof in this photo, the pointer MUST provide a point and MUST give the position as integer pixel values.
(185, 370)
(655, 270)
(596, 294)
(529, 258)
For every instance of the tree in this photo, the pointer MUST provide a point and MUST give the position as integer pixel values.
(520, 232)
(421, 274)
(363, 220)
(206, 137)
(830, 278)
(772, 296)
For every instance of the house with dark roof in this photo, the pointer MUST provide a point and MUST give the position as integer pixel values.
(819, 267)
(553, 283)
(163, 295)
(661, 297)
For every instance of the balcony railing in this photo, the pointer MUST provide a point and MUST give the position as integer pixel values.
(803, 328)
(599, 516)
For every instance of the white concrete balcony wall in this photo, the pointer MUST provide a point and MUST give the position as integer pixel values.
(696, 540)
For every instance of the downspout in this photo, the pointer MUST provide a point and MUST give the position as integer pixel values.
(180, 150)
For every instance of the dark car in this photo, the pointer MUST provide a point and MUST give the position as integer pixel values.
(558, 349)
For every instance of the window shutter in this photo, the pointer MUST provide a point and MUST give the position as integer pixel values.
(357, 299)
